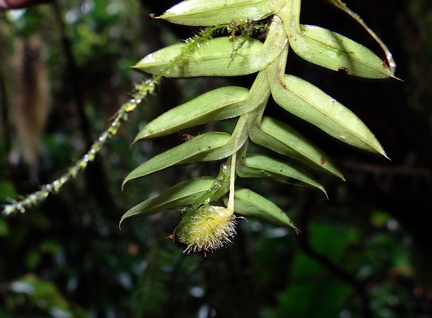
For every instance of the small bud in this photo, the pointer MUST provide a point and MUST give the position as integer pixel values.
(206, 229)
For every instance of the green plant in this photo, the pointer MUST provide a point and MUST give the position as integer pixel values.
(208, 204)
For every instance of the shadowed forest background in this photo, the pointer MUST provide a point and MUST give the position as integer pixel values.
(365, 252)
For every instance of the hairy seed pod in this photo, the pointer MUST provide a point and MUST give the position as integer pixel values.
(206, 228)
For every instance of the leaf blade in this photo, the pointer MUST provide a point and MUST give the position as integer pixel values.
(281, 138)
(309, 103)
(249, 203)
(221, 103)
(221, 56)
(208, 13)
(193, 150)
(389, 56)
(217, 57)
(181, 194)
(337, 52)
(262, 166)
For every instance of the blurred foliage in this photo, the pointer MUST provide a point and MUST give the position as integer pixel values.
(368, 246)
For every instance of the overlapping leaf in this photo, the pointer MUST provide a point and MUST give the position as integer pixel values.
(389, 56)
(249, 203)
(336, 52)
(281, 138)
(330, 49)
(262, 166)
(237, 140)
(242, 55)
(306, 101)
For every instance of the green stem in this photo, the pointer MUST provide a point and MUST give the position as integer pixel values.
(232, 161)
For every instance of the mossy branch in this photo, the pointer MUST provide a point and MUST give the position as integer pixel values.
(141, 91)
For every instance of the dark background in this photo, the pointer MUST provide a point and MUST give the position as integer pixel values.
(365, 252)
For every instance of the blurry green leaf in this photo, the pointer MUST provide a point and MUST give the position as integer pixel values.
(218, 104)
(193, 150)
(208, 13)
(327, 297)
(249, 203)
(183, 193)
(50, 246)
(261, 166)
(7, 190)
(156, 279)
(32, 258)
(40, 220)
(45, 295)
(4, 229)
(283, 139)
(379, 218)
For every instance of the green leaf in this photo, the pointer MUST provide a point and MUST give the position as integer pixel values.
(214, 12)
(390, 61)
(217, 57)
(336, 52)
(182, 194)
(261, 166)
(249, 203)
(193, 150)
(329, 49)
(306, 101)
(43, 292)
(223, 56)
(218, 104)
(281, 138)
(4, 229)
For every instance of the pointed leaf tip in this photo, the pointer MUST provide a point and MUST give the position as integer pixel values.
(249, 203)
(194, 150)
(181, 194)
